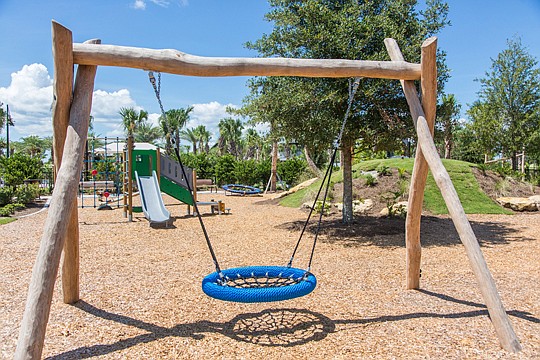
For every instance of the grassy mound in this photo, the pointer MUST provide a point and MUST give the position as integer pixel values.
(474, 200)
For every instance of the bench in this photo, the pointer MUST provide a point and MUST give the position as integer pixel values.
(206, 184)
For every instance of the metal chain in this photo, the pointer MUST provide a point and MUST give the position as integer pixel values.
(157, 90)
(353, 87)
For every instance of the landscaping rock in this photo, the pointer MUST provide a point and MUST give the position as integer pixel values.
(362, 206)
(536, 200)
(373, 173)
(519, 203)
(301, 186)
(398, 209)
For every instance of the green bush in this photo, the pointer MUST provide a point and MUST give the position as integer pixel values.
(6, 195)
(384, 170)
(19, 167)
(371, 180)
(290, 170)
(224, 169)
(9, 209)
(27, 193)
(245, 172)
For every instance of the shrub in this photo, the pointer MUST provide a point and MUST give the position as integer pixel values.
(384, 170)
(245, 172)
(9, 209)
(19, 167)
(371, 180)
(291, 170)
(27, 193)
(224, 169)
(402, 173)
(6, 195)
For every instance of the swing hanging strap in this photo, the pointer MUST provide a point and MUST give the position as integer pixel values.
(353, 87)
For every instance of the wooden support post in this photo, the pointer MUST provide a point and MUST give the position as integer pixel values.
(62, 95)
(420, 169)
(498, 315)
(71, 265)
(38, 303)
(130, 177)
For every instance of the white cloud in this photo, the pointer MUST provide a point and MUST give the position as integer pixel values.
(139, 5)
(162, 3)
(30, 95)
(209, 115)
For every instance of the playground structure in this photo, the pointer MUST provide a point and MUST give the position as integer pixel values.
(70, 123)
(104, 173)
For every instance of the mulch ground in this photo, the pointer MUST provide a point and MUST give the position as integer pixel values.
(141, 296)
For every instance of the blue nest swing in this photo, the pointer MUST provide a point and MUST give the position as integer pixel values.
(253, 284)
(241, 189)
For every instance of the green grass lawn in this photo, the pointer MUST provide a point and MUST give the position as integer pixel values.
(6, 220)
(474, 200)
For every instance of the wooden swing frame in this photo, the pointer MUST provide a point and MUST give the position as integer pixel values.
(71, 112)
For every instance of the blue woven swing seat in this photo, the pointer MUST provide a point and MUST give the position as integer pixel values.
(253, 284)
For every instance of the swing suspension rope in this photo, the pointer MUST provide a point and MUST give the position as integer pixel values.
(262, 283)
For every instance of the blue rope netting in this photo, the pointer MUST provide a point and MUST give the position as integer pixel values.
(259, 284)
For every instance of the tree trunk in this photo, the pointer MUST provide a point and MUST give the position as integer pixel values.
(346, 151)
(514, 161)
(273, 176)
(311, 163)
(448, 148)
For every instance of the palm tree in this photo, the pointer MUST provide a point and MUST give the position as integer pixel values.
(191, 136)
(253, 143)
(174, 120)
(32, 145)
(146, 132)
(203, 137)
(132, 118)
(230, 134)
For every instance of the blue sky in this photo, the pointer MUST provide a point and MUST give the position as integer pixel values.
(478, 33)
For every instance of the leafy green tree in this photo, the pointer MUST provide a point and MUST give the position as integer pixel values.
(19, 167)
(33, 145)
(131, 119)
(311, 110)
(253, 143)
(507, 114)
(466, 145)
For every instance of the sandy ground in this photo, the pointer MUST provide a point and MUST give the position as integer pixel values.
(141, 296)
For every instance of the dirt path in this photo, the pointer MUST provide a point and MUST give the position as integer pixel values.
(141, 295)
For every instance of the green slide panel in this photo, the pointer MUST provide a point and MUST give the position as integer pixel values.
(175, 190)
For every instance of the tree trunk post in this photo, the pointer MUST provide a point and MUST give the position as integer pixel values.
(347, 212)
(40, 293)
(420, 168)
(273, 175)
(497, 313)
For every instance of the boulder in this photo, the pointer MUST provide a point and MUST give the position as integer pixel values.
(301, 186)
(398, 209)
(362, 206)
(536, 199)
(518, 203)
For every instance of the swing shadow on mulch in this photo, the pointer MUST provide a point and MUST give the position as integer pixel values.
(272, 327)
(390, 232)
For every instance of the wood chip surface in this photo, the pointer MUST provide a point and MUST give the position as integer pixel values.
(141, 294)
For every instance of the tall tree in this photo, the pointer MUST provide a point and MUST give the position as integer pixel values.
(311, 110)
(509, 101)
(131, 119)
(203, 137)
(230, 135)
(447, 120)
(172, 124)
(191, 136)
(146, 132)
